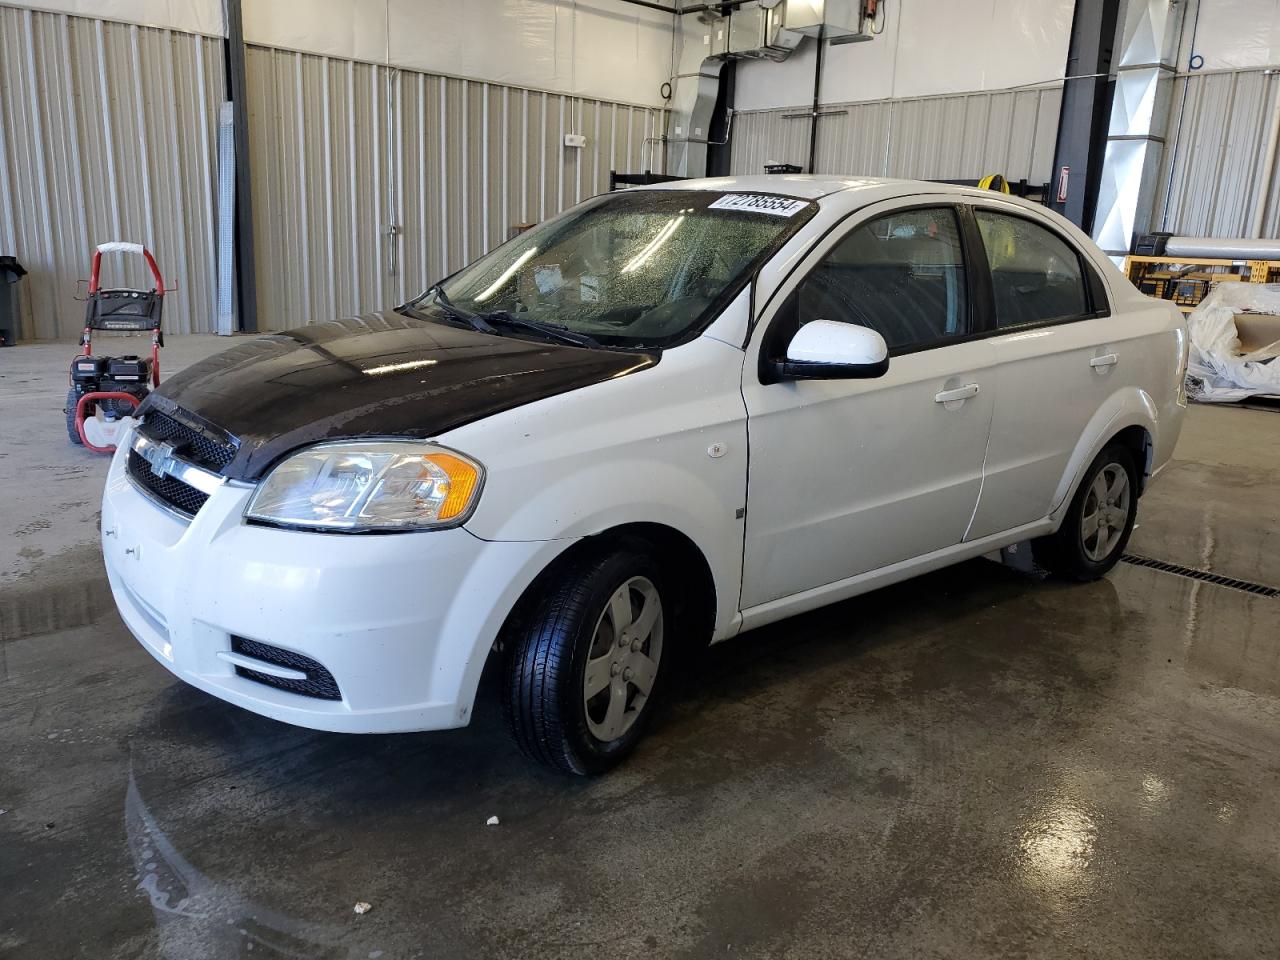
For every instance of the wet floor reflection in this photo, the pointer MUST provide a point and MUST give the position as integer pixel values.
(201, 919)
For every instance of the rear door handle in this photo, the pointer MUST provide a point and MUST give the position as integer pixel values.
(959, 393)
(1106, 360)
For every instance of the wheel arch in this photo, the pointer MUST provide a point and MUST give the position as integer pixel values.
(1129, 417)
(1137, 439)
(691, 571)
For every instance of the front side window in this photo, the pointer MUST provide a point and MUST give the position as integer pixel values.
(902, 275)
(1035, 274)
(641, 268)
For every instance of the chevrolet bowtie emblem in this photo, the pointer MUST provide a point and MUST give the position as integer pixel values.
(159, 456)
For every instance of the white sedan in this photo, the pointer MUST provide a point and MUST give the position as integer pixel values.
(662, 418)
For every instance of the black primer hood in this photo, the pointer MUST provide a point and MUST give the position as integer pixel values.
(382, 375)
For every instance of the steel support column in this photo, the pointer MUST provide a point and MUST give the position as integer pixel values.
(237, 93)
(1086, 103)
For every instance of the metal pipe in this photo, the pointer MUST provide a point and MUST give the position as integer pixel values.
(696, 8)
(817, 89)
(1223, 248)
(651, 6)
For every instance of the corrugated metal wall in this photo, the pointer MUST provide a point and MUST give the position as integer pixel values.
(107, 132)
(954, 137)
(1211, 183)
(370, 182)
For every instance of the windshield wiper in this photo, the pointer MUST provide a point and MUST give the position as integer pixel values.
(490, 322)
(447, 305)
(503, 318)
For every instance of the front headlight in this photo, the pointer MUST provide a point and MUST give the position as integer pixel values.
(362, 486)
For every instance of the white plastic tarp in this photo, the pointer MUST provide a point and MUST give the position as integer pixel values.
(1218, 371)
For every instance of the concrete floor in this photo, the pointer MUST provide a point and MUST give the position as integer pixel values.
(969, 765)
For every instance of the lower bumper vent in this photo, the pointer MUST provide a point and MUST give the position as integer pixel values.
(319, 683)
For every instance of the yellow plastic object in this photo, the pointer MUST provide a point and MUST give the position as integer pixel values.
(994, 181)
(463, 478)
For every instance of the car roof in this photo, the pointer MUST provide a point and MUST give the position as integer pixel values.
(802, 186)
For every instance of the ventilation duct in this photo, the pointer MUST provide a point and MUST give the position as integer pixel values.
(1139, 121)
(706, 41)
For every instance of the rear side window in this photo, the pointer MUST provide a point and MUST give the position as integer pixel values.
(902, 275)
(1035, 275)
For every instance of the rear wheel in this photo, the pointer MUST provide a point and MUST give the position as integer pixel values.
(584, 669)
(1098, 524)
(73, 434)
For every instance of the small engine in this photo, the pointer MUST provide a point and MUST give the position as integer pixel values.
(128, 374)
(128, 369)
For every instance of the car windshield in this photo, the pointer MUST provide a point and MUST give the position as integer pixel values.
(644, 268)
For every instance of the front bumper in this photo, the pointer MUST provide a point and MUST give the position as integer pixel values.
(403, 622)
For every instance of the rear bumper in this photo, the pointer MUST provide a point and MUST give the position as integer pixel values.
(403, 622)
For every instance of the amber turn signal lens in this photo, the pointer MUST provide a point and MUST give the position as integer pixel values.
(463, 478)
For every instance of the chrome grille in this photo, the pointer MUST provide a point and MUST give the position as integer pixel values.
(190, 444)
(182, 497)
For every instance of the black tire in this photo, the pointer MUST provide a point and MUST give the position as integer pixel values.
(1071, 553)
(73, 434)
(546, 652)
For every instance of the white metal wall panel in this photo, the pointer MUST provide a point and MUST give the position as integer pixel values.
(1210, 184)
(343, 153)
(605, 48)
(107, 131)
(954, 137)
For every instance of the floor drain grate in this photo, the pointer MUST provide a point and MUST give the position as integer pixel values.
(1258, 589)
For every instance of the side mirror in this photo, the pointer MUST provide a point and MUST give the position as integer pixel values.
(826, 350)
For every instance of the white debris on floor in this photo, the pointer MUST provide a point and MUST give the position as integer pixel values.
(363, 907)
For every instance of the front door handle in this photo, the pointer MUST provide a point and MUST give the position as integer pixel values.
(1106, 360)
(959, 393)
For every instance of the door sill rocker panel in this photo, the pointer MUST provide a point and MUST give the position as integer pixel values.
(763, 613)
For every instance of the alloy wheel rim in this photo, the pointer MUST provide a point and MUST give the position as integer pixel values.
(622, 663)
(1106, 512)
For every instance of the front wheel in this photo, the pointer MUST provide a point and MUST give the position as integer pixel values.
(584, 669)
(1098, 523)
(73, 432)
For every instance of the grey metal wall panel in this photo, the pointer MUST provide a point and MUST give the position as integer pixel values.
(953, 137)
(107, 131)
(370, 183)
(1210, 184)
(770, 136)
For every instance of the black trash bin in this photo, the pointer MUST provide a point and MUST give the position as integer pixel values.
(11, 271)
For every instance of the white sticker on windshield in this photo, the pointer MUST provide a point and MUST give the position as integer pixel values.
(759, 203)
(548, 277)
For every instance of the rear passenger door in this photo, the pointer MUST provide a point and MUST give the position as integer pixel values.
(848, 476)
(1058, 358)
